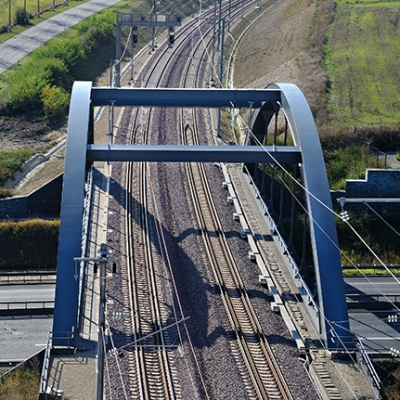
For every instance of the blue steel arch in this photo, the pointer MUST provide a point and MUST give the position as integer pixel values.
(331, 300)
(307, 151)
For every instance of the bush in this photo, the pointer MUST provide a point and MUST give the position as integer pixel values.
(392, 391)
(68, 50)
(26, 89)
(375, 232)
(55, 102)
(11, 162)
(6, 193)
(21, 383)
(21, 17)
(29, 245)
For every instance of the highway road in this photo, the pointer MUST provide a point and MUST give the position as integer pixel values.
(372, 285)
(376, 333)
(22, 337)
(33, 292)
(372, 326)
(14, 49)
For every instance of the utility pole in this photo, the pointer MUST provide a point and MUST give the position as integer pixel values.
(221, 67)
(101, 330)
(9, 16)
(229, 15)
(100, 264)
(134, 43)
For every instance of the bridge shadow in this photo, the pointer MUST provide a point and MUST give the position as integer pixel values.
(193, 296)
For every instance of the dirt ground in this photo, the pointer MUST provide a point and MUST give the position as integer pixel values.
(21, 132)
(271, 50)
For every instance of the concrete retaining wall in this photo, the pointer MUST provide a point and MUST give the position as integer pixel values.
(42, 203)
(382, 185)
(378, 183)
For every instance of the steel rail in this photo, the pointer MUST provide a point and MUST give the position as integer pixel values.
(237, 303)
(141, 351)
(152, 361)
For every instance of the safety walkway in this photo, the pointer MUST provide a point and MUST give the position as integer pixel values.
(74, 376)
(335, 379)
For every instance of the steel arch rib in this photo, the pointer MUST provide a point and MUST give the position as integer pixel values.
(69, 245)
(334, 325)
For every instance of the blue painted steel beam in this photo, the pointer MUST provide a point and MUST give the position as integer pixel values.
(176, 153)
(166, 97)
(70, 235)
(334, 325)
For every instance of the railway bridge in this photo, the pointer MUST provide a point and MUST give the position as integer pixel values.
(281, 159)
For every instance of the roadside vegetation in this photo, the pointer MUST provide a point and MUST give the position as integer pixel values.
(391, 385)
(28, 245)
(21, 383)
(11, 162)
(382, 240)
(17, 14)
(40, 87)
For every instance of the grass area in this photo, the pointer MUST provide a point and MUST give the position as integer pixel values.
(361, 61)
(11, 162)
(13, 12)
(375, 232)
(21, 383)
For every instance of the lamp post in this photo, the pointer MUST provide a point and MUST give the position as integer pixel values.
(101, 261)
(100, 352)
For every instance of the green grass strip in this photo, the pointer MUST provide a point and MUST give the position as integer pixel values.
(362, 59)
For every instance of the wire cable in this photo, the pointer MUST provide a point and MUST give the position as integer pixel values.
(379, 216)
(319, 201)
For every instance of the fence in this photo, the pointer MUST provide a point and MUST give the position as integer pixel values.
(29, 10)
(27, 277)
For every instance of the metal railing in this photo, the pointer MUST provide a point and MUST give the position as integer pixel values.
(26, 305)
(363, 358)
(373, 298)
(46, 364)
(26, 277)
(44, 377)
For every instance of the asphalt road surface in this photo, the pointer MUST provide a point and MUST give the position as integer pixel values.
(374, 330)
(372, 326)
(372, 285)
(14, 49)
(27, 293)
(22, 337)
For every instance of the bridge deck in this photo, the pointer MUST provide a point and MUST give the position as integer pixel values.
(326, 372)
(75, 374)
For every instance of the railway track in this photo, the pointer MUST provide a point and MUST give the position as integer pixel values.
(148, 361)
(262, 374)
